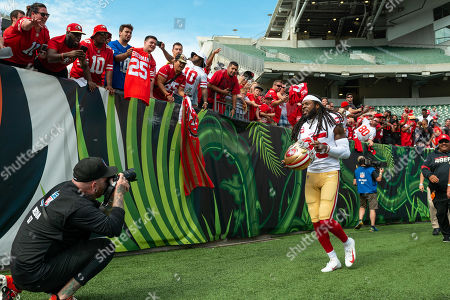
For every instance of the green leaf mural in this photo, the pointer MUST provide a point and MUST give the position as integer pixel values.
(253, 193)
(260, 137)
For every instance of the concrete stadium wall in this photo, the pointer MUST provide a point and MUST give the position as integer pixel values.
(412, 18)
(423, 37)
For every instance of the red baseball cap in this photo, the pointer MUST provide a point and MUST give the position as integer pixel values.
(379, 115)
(100, 28)
(74, 27)
(443, 137)
(344, 104)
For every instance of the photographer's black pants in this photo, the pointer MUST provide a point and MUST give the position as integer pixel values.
(82, 261)
(442, 205)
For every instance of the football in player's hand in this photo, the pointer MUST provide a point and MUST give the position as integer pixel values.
(297, 157)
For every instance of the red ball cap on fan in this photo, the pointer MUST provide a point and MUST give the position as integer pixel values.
(344, 104)
(100, 28)
(74, 27)
(443, 137)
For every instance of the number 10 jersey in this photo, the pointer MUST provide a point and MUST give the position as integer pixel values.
(195, 78)
(99, 60)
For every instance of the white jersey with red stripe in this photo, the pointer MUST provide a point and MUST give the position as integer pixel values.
(195, 77)
(322, 162)
(365, 132)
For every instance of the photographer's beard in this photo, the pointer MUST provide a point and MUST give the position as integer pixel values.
(100, 187)
(93, 189)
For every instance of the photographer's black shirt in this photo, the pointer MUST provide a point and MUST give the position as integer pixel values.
(57, 221)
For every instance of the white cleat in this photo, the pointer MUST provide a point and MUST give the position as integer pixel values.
(350, 253)
(332, 265)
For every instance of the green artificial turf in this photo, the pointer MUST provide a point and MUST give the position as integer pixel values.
(398, 262)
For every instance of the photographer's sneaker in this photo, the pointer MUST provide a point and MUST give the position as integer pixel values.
(350, 252)
(360, 224)
(446, 239)
(8, 290)
(332, 265)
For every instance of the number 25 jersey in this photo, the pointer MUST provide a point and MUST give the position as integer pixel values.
(322, 162)
(141, 71)
(98, 60)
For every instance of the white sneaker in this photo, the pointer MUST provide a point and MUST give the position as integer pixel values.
(332, 265)
(350, 252)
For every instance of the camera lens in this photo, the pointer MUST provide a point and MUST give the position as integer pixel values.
(130, 175)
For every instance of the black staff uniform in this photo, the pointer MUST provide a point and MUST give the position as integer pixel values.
(438, 164)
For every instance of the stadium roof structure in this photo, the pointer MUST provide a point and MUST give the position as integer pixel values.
(322, 18)
(344, 43)
(344, 19)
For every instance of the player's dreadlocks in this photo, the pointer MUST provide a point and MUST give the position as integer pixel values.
(324, 119)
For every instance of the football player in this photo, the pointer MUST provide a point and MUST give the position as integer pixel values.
(322, 130)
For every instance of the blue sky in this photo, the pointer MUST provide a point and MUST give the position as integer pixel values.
(156, 17)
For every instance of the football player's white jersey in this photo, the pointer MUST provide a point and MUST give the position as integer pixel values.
(365, 131)
(323, 162)
(195, 76)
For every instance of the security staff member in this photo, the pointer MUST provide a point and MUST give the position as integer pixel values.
(436, 169)
(52, 251)
(366, 179)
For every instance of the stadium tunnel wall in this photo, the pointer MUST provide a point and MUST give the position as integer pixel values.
(48, 124)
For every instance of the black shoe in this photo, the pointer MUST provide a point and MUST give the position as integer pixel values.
(436, 231)
(446, 239)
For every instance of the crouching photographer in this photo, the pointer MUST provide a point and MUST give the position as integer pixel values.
(367, 175)
(52, 251)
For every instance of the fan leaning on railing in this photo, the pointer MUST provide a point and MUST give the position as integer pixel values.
(224, 105)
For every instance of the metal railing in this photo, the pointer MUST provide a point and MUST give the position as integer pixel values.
(223, 105)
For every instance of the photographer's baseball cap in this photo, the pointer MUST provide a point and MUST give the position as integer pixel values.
(74, 27)
(100, 28)
(92, 168)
